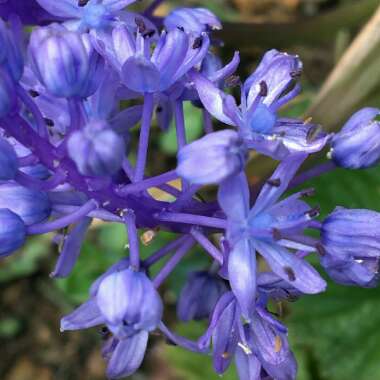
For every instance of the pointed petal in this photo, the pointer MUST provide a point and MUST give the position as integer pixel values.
(212, 98)
(126, 119)
(85, 316)
(62, 8)
(233, 197)
(287, 370)
(242, 275)
(294, 270)
(71, 249)
(227, 70)
(128, 356)
(284, 172)
(247, 365)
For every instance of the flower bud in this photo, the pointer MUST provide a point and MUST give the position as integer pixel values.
(31, 206)
(199, 296)
(212, 158)
(350, 249)
(8, 161)
(64, 61)
(12, 232)
(356, 145)
(97, 150)
(129, 302)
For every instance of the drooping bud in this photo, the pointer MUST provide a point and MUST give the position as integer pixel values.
(64, 61)
(8, 161)
(12, 232)
(199, 296)
(351, 246)
(129, 302)
(356, 145)
(31, 206)
(97, 150)
(212, 158)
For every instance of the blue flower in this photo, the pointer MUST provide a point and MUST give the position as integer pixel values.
(12, 232)
(350, 251)
(356, 145)
(270, 227)
(199, 296)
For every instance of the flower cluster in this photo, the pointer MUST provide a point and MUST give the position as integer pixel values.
(90, 72)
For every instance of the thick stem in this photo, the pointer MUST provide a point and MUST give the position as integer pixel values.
(96, 214)
(207, 245)
(42, 228)
(197, 220)
(173, 261)
(312, 173)
(144, 137)
(134, 252)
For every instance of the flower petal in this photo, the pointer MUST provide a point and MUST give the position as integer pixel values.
(62, 8)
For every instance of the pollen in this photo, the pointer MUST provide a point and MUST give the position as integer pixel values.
(277, 344)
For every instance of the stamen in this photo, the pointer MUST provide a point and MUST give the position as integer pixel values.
(159, 109)
(276, 182)
(34, 93)
(308, 192)
(277, 344)
(226, 355)
(140, 25)
(82, 3)
(233, 81)
(296, 73)
(149, 33)
(49, 122)
(308, 120)
(276, 234)
(320, 249)
(147, 237)
(263, 88)
(198, 43)
(181, 28)
(312, 133)
(290, 273)
(314, 212)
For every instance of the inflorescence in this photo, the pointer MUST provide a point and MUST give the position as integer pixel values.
(65, 159)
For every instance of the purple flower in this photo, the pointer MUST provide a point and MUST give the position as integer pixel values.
(54, 50)
(271, 227)
(31, 206)
(86, 14)
(199, 296)
(7, 94)
(356, 145)
(97, 150)
(192, 20)
(351, 246)
(212, 158)
(8, 161)
(12, 232)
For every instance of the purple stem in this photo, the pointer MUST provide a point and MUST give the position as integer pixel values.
(144, 137)
(162, 252)
(184, 197)
(315, 224)
(200, 220)
(28, 181)
(173, 261)
(147, 183)
(180, 123)
(76, 113)
(134, 252)
(42, 228)
(31, 105)
(97, 214)
(207, 121)
(207, 245)
(28, 160)
(311, 173)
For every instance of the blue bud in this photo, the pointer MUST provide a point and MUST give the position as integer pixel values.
(12, 232)
(350, 250)
(212, 158)
(97, 150)
(129, 302)
(8, 161)
(64, 61)
(31, 206)
(356, 145)
(199, 296)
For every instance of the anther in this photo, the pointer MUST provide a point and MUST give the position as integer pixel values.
(308, 192)
(277, 344)
(290, 273)
(34, 93)
(295, 73)
(49, 122)
(275, 182)
(159, 109)
(82, 3)
(263, 88)
(313, 212)
(198, 43)
(140, 25)
(320, 249)
(276, 233)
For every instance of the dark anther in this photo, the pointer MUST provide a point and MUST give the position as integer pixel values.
(34, 93)
(308, 192)
(82, 3)
(125, 323)
(49, 122)
(181, 28)
(149, 33)
(313, 212)
(140, 25)
(104, 332)
(263, 88)
(275, 182)
(295, 73)
(320, 249)
(159, 109)
(232, 81)
(276, 234)
(312, 133)
(198, 43)
(290, 273)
